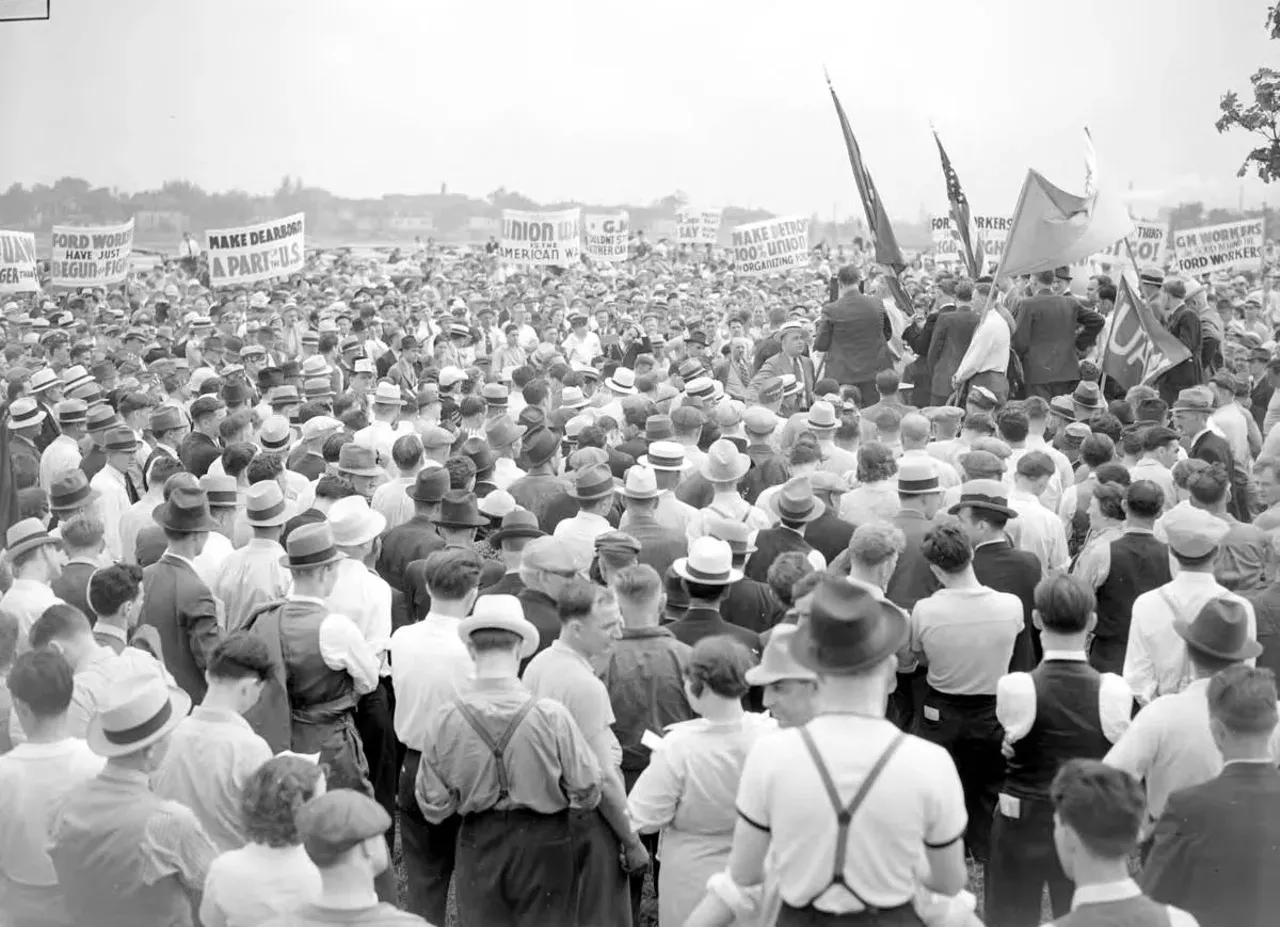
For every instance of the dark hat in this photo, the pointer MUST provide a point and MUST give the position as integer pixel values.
(503, 432)
(458, 509)
(594, 482)
(1220, 630)
(71, 490)
(541, 445)
(616, 542)
(206, 405)
(795, 502)
(100, 417)
(333, 823)
(481, 454)
(235, 391)
(430, 486)
(186, 511)
(851, 627)
(1087, 395)
(358, 460)
(310, 546)
(659, 428)
(166, 418)
(989, 495)
(120, 440)
(518, 523)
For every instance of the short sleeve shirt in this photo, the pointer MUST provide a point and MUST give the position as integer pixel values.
(561, 674)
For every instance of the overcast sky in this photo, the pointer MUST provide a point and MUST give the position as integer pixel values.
(625, 102)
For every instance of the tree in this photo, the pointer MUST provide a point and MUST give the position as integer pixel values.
(1260, 116)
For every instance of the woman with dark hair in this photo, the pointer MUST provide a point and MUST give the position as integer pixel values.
(875, 497)
(689, 787)
(272, 874)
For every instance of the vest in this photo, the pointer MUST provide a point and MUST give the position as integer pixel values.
(770, 543)
(1139, 563)
(101, 869)
(1132, 912)
(1067, 726)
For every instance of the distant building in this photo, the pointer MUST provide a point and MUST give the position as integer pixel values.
(421, 224)
(161, 220)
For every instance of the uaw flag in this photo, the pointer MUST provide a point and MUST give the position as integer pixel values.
(966, 229)
(1137, 348)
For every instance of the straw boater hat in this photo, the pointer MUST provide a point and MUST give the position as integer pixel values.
(310, 546)
(917, 478)
(264, 505)
(795, 501)
(623, 381)
(988, 495)
(137, 712)
(822, 416)
(571, 398)
(25, 413)
(275, 433)
(496, 395)
(387, 394)
(501, 613)
(710, 562)
(44, 378)
(24, 536)
(665, 455)
(851, 627)
(71, 412)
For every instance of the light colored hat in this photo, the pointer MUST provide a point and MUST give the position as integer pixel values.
(724, 462)
(641, 483)
(497, 504)
(710, 562)
(24, 413)
(75, 375)
(321, 426)
(275, 433)
(451, 375)
(353, 523)
(26, 535)
(71, 411)
(622, 381)
(795, 501)
(137, 712)
(265, 505)
(310, 546)
(387, 394)
(221, 491)
(917, 477)
(44, 378)
(501, 613)
(315, 366)
(665, 455)
(777, 663)
(822, 415)
(1193, 533)
(571, 398)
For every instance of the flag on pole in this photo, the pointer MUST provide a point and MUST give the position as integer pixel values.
(1137, 348)
(961, 215)
(1052, 228)
(888, 254)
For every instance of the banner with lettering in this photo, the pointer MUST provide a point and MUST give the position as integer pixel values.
(257, 252)
(698, 226)
(773, 245)
(18, 263)
(1137, 348)
(98, 256)
(607, 235)
(992, 232)
(1149, 241)
(1230, 246)
(543, 238)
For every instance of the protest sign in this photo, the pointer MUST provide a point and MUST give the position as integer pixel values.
(98, 256)
(541, 237)
(1149, 241)
(607, 236)
(992, 232)
(1230, 246)
(772, 245)
(1137, 348)
(18, 263)
(257, 252)
(698, 226)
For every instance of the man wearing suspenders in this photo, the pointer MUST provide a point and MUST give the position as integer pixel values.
(512, 766)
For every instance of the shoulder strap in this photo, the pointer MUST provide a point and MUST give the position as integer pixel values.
(497, 747)
(845, 813)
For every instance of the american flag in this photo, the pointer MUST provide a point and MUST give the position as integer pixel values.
(965, 228)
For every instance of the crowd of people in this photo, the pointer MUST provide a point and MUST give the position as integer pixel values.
(566, 587)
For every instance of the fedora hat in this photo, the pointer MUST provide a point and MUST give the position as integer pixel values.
(850, 627)
(622, 381)
(540, 445)
(733, 532)
(264, 505)
(310, 546)
(1221, 630)
(358, 460)
(221, 491)
(989, 495)
(100, 418)
(166, 418)
(665, 455)
(430, 485)
(315, 366)
(353, 523)
(495, 394)
(659, 428)
(917, 478)
(283, 396)
(187, 511)
(71, 490)
(26, 535)
(777, 663)
(593, 482)
(387, 394)
(318, 388)
(822, 415)
(275, 433)
(503, 432)
(24, 413)
(724, 463)
(641, 483)
(138, 711)
(710, 562)
(571, 398)
(1063, 407)
(120, 440)
(518, 523)
(1087, 395)
(481, 454)
(1195, 399)
(501, 613)
(795, 501)
(458, 509)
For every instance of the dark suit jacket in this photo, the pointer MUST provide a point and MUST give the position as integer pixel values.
(72, 586)
(1216, 848)
(198, 451)
(1213, 448)
(1185, 325)
(1259, 397)
(507, 584)
(854, 333)
(402, 545)
(912, 580)
(541, 610)
(660, 546)
(1046, 325)
(829, 535)
(780, 364)
(178, 604)
(1002, 567)
(699, 622)
(751, 605)
(951, 336)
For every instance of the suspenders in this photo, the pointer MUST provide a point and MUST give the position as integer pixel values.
(845, 813)
(499, 746)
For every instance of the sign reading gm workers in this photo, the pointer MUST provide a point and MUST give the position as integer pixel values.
(547, 238)
(18, 263)
(607, 236)
(1230, 246)
(257, 252)
(91, 256)
(772, 245)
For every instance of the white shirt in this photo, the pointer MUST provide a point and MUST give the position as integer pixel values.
(1016, 701)
(380, 436)
(391, 500)
(62, 454)
(217, 548)
(343, 647)
(1038, 531)
(1231, 422)
(365, 598)
(112, 505)
(250, 578)
(1053, 489)
(505, 472)
(134, 519)
(989, 349)
(947, 476)
(1093, 565)
(1155, 662)
(582, 350)
(1148, 468)
(1066, 474)
(430, 665)
(580, 533)
(732, 507)
(26, 601)
(250, 886)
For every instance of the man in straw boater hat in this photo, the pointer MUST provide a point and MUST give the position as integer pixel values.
(36, 559)
(106, 838)
(660, 545)
(669, 465)
(512, 766)
(707, 575)
(839, 851)
(380, 436)
(63, 453)
(24, 422)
